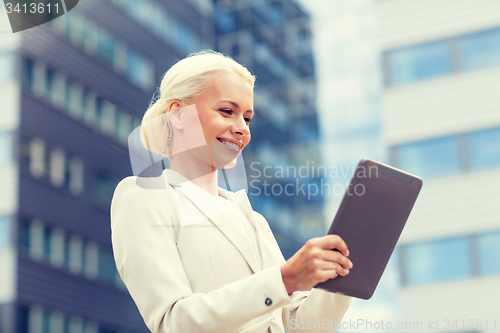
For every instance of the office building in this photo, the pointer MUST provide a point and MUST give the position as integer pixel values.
(273, 39)
(71, 92)
(441, 119)
(73, 89)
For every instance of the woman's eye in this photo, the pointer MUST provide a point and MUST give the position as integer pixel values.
(248, 120)
(227, 111)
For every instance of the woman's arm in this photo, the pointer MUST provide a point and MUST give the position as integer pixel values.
(317, 309)
(143, 223)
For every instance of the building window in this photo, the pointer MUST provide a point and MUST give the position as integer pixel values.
(104, 188)
(39, 81)
(90, 327)
(160, 22)
(4, 232)
(123, 126)
(489, 253)
(38, 158)
(479, 50)
(483, 148)
(449, 155)
(73, 324)
(107, 270)
(49, 85)
(226, 21)
(107, 48)
(418, 62)
(37, 237)
(307, 128)
(57, 167)
(47, 242)
(274, 13)
(75, 254)
(139, 71)
(436, 261)
(88, 106)
(74, 180)
(74, 99)
(99, 43)
(57, 245)
(58, 97)
(81, 103)
(429, 158)
(24, 234)
(27, 71)
(108, 121)
(63, 170)
(23, 314)
(91, 259)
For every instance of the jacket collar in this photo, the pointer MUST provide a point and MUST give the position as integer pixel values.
(220, 219)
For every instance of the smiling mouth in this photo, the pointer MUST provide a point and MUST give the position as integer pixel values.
(232, 146)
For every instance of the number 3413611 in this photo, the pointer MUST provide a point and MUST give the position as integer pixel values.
(32, 8)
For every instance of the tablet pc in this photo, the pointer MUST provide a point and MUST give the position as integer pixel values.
(370, 220)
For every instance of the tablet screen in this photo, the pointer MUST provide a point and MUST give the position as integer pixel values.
(370, 220)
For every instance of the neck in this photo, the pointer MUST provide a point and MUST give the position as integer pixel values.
(202, 175)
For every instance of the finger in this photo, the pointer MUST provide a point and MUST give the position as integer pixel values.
(331, 265)
(335, 242)
(337, 257)
(328, 274)
(335, 271)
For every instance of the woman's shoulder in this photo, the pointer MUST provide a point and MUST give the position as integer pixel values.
(141, 188)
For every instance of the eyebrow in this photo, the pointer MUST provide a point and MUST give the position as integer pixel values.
(236, 105)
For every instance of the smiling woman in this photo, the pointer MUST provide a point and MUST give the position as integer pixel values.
(195, 257)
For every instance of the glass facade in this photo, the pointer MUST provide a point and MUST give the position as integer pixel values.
(109, 49)
(437, 261)
(68, 241)
(273, 39)
(450, 155)
(63, 250)
(419, 62)
(451, 258)
(430, 158)
(163, 24)
(104, 188)
(479, 50)
(489, 253)
(425, 61)
(79, 101)
(484, 148)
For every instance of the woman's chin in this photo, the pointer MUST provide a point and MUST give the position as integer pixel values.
(224, 161)
(223, 158)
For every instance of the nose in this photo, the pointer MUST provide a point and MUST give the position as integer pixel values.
(240, 126)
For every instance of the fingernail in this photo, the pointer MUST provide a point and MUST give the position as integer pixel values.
(350, 264)
(346, 271)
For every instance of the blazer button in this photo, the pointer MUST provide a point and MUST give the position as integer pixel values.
(268, 301)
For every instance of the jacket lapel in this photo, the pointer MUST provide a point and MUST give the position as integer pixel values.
(223, 219)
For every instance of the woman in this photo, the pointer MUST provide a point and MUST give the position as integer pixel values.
(195, 257)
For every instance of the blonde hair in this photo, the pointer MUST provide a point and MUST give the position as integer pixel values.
(184, 81)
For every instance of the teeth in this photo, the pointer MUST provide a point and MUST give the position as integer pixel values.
(231, 145)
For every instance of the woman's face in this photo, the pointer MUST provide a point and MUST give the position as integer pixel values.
(225, 110)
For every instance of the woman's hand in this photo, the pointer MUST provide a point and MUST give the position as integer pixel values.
(315, 262)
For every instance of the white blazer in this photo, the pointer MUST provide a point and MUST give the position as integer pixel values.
(205, 277)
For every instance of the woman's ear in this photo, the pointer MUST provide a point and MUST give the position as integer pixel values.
(175, 114)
